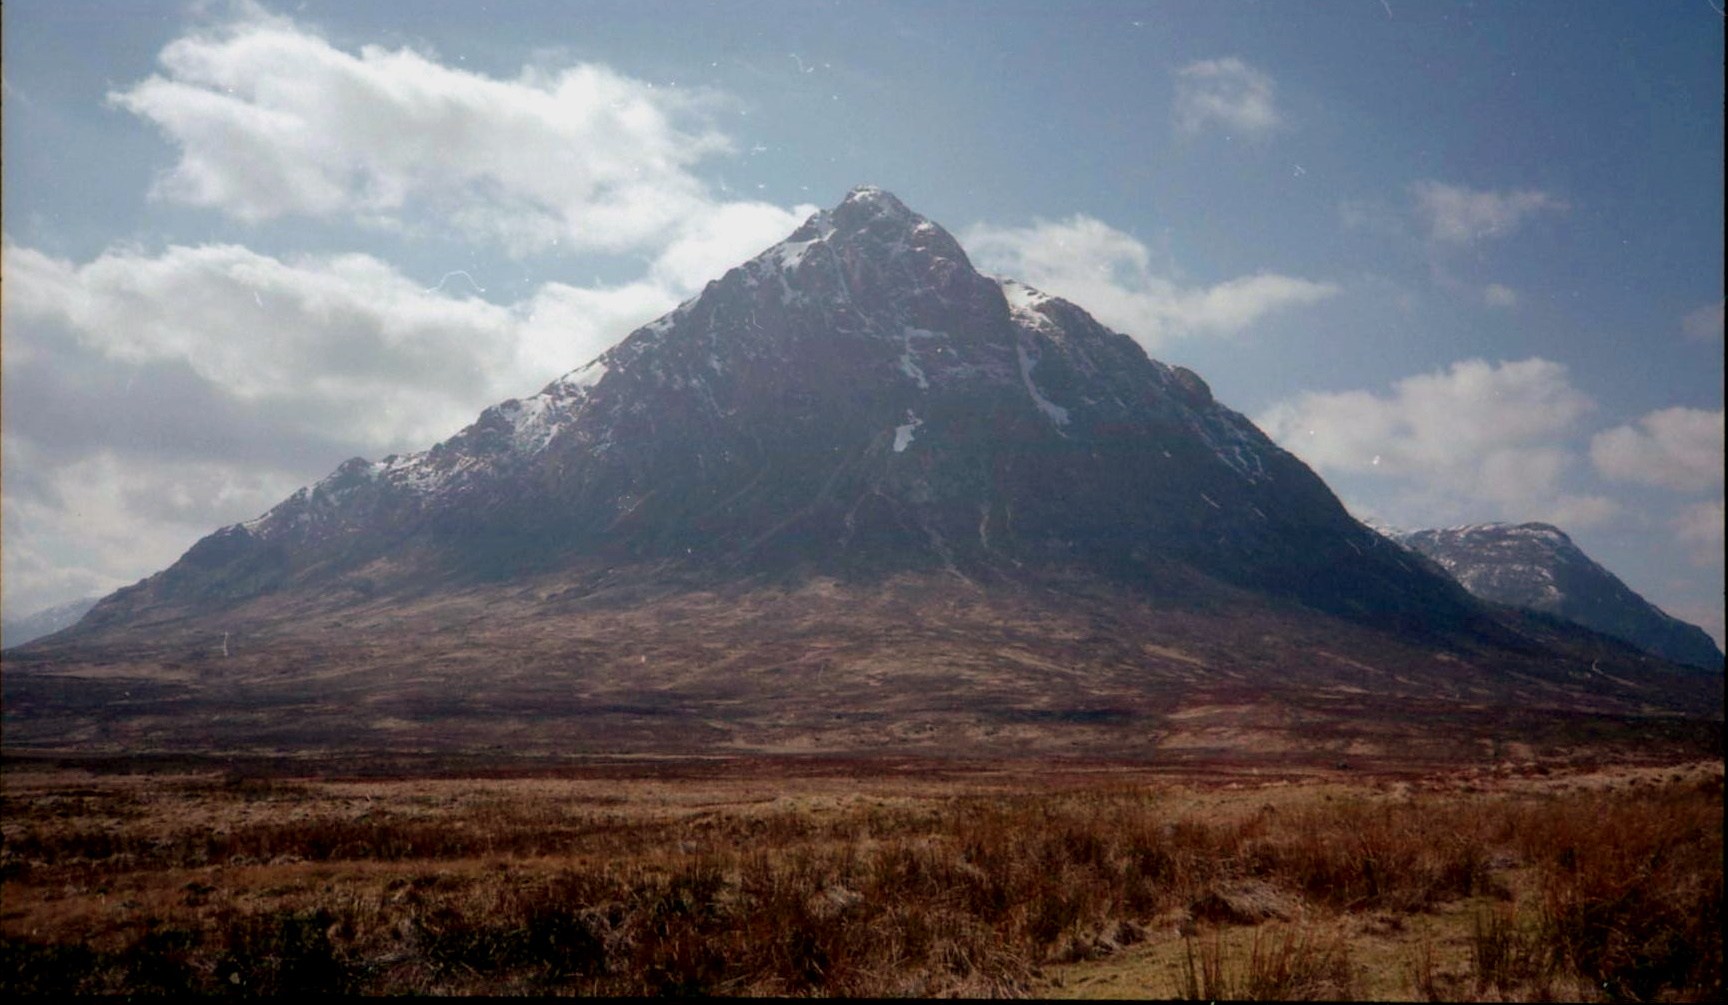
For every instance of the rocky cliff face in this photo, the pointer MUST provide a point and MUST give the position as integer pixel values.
(1536, 565)
(854, 400)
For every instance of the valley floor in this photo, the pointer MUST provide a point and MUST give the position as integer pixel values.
(864, 877)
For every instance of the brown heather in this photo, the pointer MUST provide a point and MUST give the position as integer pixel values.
(865, 884)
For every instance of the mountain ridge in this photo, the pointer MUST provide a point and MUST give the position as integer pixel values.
(1538, 566)
(46, 620)
(876, 322)
(854, 493)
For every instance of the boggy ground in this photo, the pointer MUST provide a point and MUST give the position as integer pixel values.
(864, 877)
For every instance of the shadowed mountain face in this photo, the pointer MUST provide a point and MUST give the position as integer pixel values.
(855, 493)
(856, 399)
(1536, 565)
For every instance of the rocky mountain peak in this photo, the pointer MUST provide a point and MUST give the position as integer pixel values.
(873, 255)
(851, 491)
(857, 396)
(867, 205)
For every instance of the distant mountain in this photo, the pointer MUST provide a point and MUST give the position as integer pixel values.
(855, 494)
(1536, 565)
(47, 621)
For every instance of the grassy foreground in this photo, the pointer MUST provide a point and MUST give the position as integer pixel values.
(1519, 883)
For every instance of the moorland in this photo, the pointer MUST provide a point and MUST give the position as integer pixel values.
(1569, 878)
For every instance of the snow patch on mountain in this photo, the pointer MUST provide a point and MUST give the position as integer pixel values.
(909, 356)
(1232, 444)
(903, 433)
(1023, 304)
(1029, 362)
(790, 254)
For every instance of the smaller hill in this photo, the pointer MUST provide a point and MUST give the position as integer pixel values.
(1536, 565)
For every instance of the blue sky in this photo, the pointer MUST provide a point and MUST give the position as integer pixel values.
(1464, 259)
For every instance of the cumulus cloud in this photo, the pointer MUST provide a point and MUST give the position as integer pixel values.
(1458, 215)
(1579, 511)
(1676, 448)
(1700, 526)
(719, 237)
(1227, 93)
(344, 342)
(272, 120)
(1112, 275)
(1704, 324)
(87, 526)
(152, 397)
(1475, 436)
(219, 350)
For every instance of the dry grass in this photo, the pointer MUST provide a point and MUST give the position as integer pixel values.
(863, 886)
(1293, 967)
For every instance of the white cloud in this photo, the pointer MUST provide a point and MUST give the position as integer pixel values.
(1704, 324)
(1110, 273)
(1495, 295)
(151, 398)
(152, 395)
(1700, 526)
(272, 120)
(343, 346)
(108, 519)
(1677, 448)
(1458, 215)
(1580, 511)
(1228, 93)
(709, 242)
(1476, 436)
(344, 341)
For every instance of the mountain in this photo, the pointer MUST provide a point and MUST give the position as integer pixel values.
(46, 621)
(853, 494)
(855, 397)
(1536, 565)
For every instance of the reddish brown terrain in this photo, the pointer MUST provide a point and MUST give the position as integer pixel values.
(865, 626)
(907, 666)
(1516, 880)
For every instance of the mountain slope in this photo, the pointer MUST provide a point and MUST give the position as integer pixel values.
(857, 397)
(854, 494)
(1536, 565)
(646, 659)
